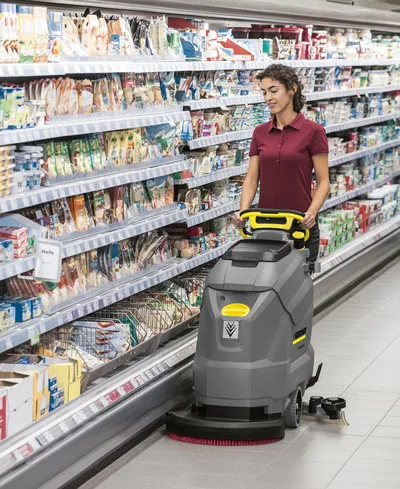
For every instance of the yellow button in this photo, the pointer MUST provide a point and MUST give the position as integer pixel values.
(235, 310)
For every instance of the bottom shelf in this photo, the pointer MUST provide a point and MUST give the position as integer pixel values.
(359, 244)
(74, 420)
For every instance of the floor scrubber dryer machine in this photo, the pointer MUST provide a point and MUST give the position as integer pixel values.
(254, 359)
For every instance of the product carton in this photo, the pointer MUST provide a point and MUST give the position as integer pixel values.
(39, 372)
(26, 34)
(67, 370)
(19, 400)
(55, 29)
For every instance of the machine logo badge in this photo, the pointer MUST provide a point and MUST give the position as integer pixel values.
(231, 330)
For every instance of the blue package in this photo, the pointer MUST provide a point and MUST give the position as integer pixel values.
(52, 381)
(22, 310)
(36, 307)
(23, 360)
(10, 310)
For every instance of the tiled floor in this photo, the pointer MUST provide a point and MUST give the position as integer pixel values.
(359, 343)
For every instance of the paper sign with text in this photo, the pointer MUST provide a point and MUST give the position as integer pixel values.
(48, 260)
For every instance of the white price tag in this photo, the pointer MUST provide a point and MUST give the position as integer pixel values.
(9, 343)
(42, 328)
(34, 198)
(104, 401)
(121, 390)
(34, 444)
(161, 368)
(150, 374)
(48, 436)
(67, 318)
(155, 370)
(17, 455)
(139, 380)
(63, 427)
(48, 260)
(94, 408)
(79, 417)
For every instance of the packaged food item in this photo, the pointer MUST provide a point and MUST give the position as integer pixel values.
(55, 32)
(79, 212)
(156, 191)
(41, 34)
(19, 238)
(23, 311)
(90, 34)
(26, 34)
(6, 250)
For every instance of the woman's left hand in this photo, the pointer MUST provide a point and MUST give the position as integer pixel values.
(309, 220)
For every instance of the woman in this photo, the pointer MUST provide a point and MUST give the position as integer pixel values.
(283, 154)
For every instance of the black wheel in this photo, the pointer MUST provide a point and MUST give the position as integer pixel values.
(294, 410)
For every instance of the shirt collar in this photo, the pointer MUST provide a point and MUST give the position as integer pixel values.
(296, 123)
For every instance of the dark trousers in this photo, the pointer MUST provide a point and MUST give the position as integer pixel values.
(313, 244)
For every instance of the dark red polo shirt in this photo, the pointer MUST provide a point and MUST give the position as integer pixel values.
(286, 162)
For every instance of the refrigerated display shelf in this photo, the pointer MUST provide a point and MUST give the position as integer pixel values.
(102, 236)
(223, 102)
(220, 139)
(104, 296)
(65, 421)
(353, 123)
(320, 63)
(66, 126)
(25, 445)
(359, 244)
(215, 212)
(89, 183)
(143, 223)
(339, 160)
(152, 64)
(240, 135)
(93, 64)
(349, 92)
(214, 176)
(364, 189)
(15, 267)
(221, 210)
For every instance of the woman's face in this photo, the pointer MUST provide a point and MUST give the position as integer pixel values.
(276, 95)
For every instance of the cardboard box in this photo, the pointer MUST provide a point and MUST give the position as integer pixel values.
(19, 400)
(40, 375)
(67, 370)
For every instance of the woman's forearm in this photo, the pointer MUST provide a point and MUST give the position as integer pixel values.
(250, 184)
(319, 197)
(248, 193)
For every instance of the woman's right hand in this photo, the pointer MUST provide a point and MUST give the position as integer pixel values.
(238, 222)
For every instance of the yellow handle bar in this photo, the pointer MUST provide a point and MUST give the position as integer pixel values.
(287, 221)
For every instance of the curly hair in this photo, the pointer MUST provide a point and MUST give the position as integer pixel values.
(288, 77)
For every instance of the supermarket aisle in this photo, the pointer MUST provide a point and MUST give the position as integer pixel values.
(359, 342)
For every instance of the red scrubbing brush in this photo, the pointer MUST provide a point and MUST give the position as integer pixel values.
(223, 443)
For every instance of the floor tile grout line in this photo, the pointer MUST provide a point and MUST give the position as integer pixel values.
(351, 331)
(373, 361)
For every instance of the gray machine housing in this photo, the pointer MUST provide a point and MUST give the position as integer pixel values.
(265, 356)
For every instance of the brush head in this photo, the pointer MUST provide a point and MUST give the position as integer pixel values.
(222, 443)
(187, 426)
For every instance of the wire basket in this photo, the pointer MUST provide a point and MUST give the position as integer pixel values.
(111, 337)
